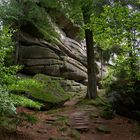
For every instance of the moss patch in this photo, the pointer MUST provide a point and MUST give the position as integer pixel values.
(50, 92)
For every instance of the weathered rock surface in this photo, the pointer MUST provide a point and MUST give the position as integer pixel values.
(69, 86)
(66, 60)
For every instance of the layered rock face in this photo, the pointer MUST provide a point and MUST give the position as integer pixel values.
(63, 59)
(67, 59)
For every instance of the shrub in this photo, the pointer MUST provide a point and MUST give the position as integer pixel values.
(9, 82)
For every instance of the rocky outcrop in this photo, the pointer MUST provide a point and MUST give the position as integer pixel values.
(67, 59)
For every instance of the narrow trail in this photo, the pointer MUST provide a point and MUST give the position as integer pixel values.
(75, 123)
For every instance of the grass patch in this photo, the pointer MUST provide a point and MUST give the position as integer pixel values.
(63, 120)
(31, 118)
(24, 101)
(95, 102)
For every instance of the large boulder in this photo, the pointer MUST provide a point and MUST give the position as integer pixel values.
(49, 91)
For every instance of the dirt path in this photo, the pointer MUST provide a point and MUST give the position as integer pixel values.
(78, 123)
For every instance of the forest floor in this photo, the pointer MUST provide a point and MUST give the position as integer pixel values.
(75, 122)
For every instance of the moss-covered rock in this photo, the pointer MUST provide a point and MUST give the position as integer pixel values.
(103, 128)
(50, 92)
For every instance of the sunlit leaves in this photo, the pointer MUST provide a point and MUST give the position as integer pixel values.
(115, 25)
(6, 105)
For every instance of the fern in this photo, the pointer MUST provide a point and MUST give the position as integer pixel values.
(19, 100)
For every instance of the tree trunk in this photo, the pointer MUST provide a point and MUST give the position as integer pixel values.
(101, 65)
(92, 83)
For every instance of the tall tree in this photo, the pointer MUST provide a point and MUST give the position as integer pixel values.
(86, 9)
(92, 82)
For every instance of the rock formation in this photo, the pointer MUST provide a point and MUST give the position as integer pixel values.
(67, 60)
(63, 58)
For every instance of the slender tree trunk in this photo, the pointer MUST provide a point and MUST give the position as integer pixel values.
(92, 84)
(101, 65)
(132, 57)
(17, 39)
(16, 52)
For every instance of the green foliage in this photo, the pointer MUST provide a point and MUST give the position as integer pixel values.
(114, 25)
(24, 101)
(22, 12)
(6, 74)
(109, 78)
(99, 102)
(107, 114)
(118, 27)
(122, 70)
(24, 84)
(64, 119)
(9, 82)
(31, 118)
(74, 11)
(7, 123)
(7, 107)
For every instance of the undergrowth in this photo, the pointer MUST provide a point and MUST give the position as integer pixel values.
(25, 102)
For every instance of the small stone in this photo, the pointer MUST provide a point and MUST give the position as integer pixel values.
(103, 128)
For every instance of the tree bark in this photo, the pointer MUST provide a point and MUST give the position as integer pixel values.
(92, 82)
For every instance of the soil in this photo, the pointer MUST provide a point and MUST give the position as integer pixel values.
(74, 122)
